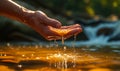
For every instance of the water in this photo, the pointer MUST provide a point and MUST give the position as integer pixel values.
(91, 33)
(62, 40)
(69, 56)
(63, 57)
(35, 57)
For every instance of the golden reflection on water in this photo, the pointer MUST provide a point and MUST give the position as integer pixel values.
(100, 69)
(44, 58)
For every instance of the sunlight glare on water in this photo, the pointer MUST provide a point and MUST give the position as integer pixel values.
(56, 58)
(60, 60)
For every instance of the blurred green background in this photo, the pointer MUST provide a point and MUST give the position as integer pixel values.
(74, 9)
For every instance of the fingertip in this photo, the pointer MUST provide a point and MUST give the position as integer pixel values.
(75, 31)
(78, 25)
(79, 28)
(58, 24)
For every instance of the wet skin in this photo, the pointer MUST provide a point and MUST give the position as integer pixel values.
(49, 28)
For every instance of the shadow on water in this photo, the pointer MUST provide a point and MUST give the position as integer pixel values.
(50, 58)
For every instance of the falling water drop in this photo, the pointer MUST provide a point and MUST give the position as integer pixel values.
(8, 44)
(62, 40)
(64, 48)
(74, 50)
(74, 43)
(55, 43)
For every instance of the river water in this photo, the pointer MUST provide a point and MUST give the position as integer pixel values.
(48, 57)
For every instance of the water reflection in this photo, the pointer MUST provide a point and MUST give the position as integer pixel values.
(62, 61)
(42, 58)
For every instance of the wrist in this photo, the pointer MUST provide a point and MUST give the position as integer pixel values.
(25, 14)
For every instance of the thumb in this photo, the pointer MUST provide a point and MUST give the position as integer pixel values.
(52, 22)
(47, 20)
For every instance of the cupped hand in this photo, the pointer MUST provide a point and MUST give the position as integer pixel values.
(65, 31)
(49, 28)
(38, 17)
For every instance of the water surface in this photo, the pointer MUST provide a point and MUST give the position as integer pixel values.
(55, 58)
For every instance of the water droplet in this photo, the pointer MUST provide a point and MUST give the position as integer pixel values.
(23, 55)
(20, 66)
(8, 44)
(62, 40)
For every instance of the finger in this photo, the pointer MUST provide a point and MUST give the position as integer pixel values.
(53, 37)
(53, 23)
(74, 31)
(71, 26)
(64, 32)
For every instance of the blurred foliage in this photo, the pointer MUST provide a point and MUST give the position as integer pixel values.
(73, 8)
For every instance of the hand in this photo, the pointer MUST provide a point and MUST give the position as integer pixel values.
(65, 31)
(38, 17)
(49, 28)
